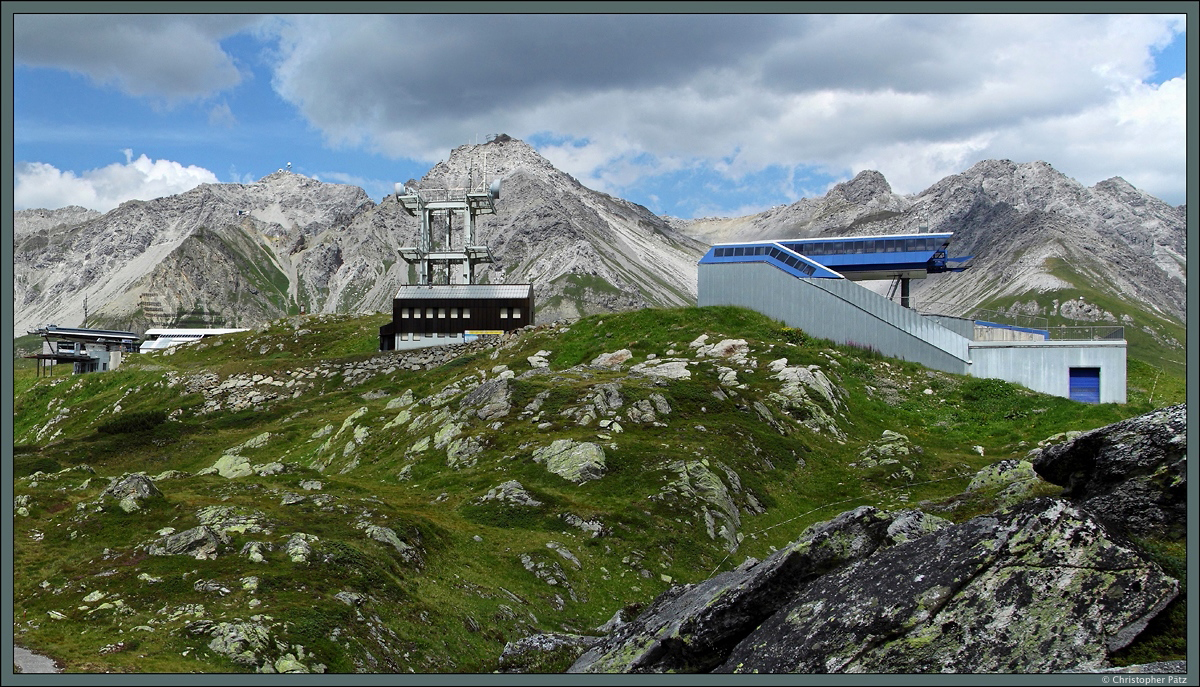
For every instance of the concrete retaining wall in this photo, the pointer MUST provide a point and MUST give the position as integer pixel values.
(1045, 366)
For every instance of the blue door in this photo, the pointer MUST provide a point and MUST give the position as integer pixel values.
(1085, 384)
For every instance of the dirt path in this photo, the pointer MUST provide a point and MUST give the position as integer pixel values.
(25, 661)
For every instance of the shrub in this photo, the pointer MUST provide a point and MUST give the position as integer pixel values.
(128, 423)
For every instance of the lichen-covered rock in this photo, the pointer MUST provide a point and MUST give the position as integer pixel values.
(693, 628)
(511, 492)
(461, 452)
(539, 653)
(131, 490)
(1040, 588)
(576, 462)
(402, 401)
(1132, 473)
(794, 396)
(908, 525)
(489, 401)
(614, 359)
(299, 546)
(201, 542)
(698, 487)
(272, 468)
(736, 349)
(387, 535)
(240, 642)
(230, 466)
(228, 519)
(1012, 480)
(665, 369)
(254, 550)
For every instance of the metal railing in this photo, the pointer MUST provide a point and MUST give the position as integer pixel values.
(1099, 332)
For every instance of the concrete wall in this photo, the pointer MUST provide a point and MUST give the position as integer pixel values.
(1045, 365)
(989, 333)
(959, 325)
(834, 309)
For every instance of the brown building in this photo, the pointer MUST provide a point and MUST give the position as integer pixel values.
(439, 314)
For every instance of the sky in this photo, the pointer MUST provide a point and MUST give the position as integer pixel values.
(690, 115)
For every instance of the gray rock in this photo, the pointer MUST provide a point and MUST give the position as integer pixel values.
(576, 462)
(254, 550)
(131, 490)
(201, 542)
(1132, 473)
(1041, 588)
(272, 468)
(698, 487)
(537, 653)
(489, 401)
(387, 535)
(1012, 480)
(299, 548)
(238, 641)
(461, 452)
(612, 360)
(511, 492)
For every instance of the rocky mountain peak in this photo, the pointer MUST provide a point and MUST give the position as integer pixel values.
(866, 185)
(499, 158)
(39, 219)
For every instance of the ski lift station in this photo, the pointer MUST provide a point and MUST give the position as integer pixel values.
(87, 350)
(100, 350)
(810, 284)
(446, 305)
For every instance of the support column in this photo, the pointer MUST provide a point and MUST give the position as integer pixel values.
(904, 292)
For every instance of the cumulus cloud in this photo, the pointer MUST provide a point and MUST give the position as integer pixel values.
(171, 57)
(917, 97)
(40, 185)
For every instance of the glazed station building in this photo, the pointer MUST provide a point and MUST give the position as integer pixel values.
(87, 350)
(433, 314)
(810, 284)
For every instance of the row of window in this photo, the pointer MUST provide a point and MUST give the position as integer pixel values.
(454, 313)
(867, 246)
(854, 247)
(415, 313)
(771, 251)
(416, 336)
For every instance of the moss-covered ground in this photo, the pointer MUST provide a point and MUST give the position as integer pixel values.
(473, 584)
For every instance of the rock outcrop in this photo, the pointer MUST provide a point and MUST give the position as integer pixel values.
(1042, 586)
(1132, 473)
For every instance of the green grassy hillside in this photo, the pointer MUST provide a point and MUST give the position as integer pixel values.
(733, 464)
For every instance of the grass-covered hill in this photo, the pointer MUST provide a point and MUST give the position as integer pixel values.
(320, 506)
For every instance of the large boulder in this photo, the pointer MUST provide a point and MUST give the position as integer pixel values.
(693, 628)
(575, 461)
(1132, 473)
(1041, 588)
(201, 542)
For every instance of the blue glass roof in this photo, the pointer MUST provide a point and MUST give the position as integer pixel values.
(845, 256)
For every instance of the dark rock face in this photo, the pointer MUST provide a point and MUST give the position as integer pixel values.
(1042, 588)
(691, 629)
(1047, 585)
(1132, 474)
